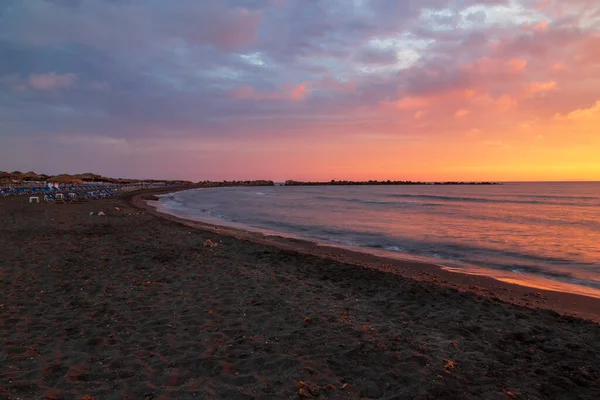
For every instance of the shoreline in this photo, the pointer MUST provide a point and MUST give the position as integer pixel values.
(571, 304)
(530, 281)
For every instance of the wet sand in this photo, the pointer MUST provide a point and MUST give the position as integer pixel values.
(130, 305)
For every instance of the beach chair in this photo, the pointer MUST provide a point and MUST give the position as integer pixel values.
(91, 196)
(49, 198)
(75, 198)
(56, 199)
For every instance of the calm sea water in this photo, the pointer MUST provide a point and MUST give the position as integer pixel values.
(538, 234)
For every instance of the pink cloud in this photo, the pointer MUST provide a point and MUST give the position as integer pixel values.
(516, 64)
(461, 113)
(425, 101)
(502, 103)
(541, 87)
(51, 80)
(411, 103)
(47, 81)
(481, 65)
(419, 114)
(495, 67)
(299, 92)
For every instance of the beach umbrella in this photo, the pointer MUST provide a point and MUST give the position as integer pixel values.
(30, 176)
(89, 177)
(65, 179)
(10, 181)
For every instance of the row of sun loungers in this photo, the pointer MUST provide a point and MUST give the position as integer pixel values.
(73, 194)
(64, 198)
(32, 191)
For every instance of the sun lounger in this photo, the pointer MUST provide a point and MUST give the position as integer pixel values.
(74, 198)
(49, 198)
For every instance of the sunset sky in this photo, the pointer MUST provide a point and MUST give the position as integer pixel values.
(302, 89)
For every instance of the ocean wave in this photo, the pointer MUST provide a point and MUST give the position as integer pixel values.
(588, 223)
(412, 200)
(488, 200)
(493, 262)
(547, 196)
(545, 273)
(489, 258)
(382, 202)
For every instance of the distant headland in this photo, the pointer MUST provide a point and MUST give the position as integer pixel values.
(330, 183)
(388, 182)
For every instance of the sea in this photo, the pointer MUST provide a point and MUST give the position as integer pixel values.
(542, 235)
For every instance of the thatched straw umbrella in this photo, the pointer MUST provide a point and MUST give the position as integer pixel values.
(30, 176)
(5, 181)
(89, 177)
(65, 179)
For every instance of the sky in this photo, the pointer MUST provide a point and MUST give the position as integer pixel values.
(498, 90)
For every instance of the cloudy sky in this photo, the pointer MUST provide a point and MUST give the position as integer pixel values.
(302, 89)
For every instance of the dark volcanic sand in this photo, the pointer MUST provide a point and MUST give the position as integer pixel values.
(131, 306)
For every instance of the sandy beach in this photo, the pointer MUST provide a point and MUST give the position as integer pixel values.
(133, 305)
